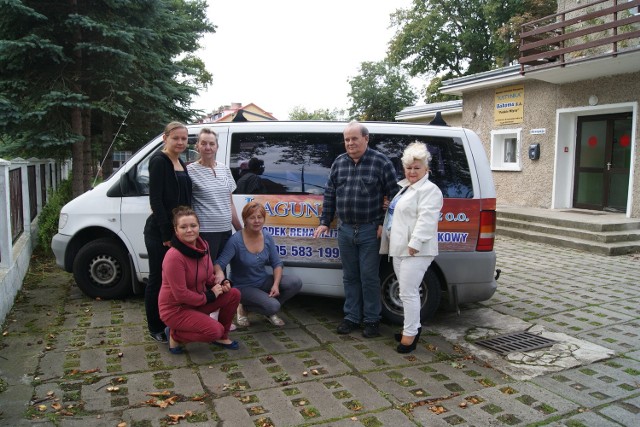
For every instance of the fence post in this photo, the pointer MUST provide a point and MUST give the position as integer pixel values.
(26, 208)
(36, 162)
(6, 245)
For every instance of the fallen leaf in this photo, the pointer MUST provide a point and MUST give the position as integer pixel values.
(462, 404)
(198, 398)
(305, 373)
(160, 393)
(176, 417)
(42, 408)
(56, 406)
(122, 424)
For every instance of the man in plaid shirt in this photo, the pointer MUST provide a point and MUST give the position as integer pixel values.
(358, 182)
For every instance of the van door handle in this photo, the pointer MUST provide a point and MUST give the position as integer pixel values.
(608, 166)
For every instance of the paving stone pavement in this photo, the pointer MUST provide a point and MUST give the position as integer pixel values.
(67, 360)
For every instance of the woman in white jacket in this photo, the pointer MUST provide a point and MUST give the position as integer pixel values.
(410, 236)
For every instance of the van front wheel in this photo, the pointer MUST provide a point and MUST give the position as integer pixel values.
(101, 270)
(430, 295)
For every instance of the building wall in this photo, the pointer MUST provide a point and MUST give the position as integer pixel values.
(614, 90)
(533, 185)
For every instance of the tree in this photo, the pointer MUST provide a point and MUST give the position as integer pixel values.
(452, 38)
(432, 93)
(300, 113)
(379, 92)
(69, 68)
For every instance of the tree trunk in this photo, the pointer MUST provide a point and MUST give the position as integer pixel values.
(77, 152)
(89, 164)
(107, 136)
(77, 185)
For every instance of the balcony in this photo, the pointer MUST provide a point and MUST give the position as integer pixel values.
(600, 30)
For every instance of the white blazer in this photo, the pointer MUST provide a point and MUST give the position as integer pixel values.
(415, 220)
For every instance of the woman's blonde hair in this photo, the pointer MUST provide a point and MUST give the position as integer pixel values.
(173, 126)
(416, 151)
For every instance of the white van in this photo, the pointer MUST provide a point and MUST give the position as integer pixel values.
(100, 235)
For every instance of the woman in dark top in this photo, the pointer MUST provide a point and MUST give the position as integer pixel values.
(169, 187)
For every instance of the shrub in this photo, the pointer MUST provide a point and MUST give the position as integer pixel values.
(48, 221)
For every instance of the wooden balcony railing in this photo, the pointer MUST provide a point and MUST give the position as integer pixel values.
(599, 29)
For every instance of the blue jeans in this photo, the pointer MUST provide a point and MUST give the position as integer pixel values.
(359, 246)
(258, 300)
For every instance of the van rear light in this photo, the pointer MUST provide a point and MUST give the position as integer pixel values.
(487, 235)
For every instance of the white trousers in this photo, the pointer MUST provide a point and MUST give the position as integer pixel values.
(410, 271)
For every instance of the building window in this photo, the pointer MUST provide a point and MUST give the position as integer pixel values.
(505, 150)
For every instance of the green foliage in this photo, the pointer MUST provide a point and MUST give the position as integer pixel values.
(433, 92)
(48, 219)
(452, 38)
(63, 64)
(379, 92)
(300, 113)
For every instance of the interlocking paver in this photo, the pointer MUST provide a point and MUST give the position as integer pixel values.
(68, 349)
(512, 404)
(303, 402)
(621, 337)
(596, 384)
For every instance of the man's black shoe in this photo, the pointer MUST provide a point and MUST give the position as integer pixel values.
(159, 337)
(371, 330)
(346, 327)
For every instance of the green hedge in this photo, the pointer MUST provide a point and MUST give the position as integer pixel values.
(48, 221)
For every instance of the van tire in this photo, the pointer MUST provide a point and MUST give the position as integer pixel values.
(101, 270)
(430, 295)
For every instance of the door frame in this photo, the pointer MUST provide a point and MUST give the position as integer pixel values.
(609, 120)
(565, 147)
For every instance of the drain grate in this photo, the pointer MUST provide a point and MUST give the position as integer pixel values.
(517, 341)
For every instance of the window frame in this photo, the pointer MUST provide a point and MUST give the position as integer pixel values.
(499, 139)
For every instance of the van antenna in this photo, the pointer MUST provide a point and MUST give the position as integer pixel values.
(109, 149)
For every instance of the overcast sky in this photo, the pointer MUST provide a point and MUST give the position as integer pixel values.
(280, 54)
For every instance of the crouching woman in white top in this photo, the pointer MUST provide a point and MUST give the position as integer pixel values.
(410, 236)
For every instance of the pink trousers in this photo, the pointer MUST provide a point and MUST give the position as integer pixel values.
(193, 324)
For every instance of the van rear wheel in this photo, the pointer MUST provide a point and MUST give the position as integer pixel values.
(430, 295)
(101, 270)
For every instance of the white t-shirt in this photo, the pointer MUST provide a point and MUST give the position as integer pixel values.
(211, 196)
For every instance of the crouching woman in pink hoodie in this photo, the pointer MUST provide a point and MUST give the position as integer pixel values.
(188, 294)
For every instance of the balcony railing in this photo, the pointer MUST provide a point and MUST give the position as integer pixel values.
(604, 28)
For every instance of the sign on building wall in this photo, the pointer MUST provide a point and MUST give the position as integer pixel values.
(509, 105)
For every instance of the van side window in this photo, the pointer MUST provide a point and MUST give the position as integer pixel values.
(297, 163)
(142, 169)
(449, 168)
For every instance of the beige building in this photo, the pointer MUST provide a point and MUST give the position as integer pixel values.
(561, 127)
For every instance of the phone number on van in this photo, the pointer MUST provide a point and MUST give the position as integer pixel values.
(308, 251)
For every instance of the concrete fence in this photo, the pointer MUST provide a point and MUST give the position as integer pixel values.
(25, 187)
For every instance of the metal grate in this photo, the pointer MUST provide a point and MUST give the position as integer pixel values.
(517, 341)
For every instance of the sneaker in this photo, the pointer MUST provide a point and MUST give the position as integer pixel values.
(159, 337)
(346, 327)
(371, 330)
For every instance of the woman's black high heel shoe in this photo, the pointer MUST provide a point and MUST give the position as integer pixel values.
(409, 348)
